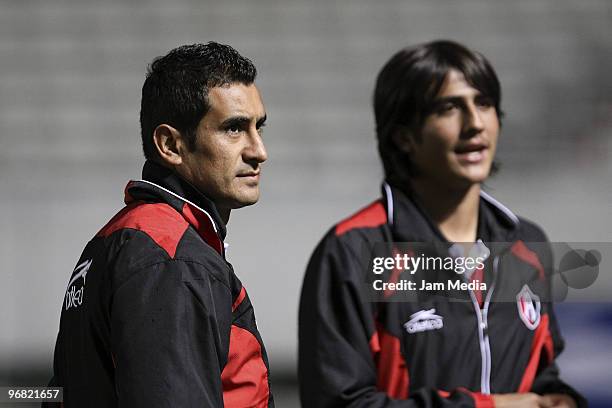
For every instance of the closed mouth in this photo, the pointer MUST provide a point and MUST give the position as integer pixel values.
(253, 174)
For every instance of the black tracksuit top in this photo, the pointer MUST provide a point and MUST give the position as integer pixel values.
(154, 315)
(355, 352)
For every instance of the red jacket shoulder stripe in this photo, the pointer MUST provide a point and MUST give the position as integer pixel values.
(159, 221)
(371, 216)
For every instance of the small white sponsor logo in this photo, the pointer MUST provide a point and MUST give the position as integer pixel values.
(528, 304)
(423, 321)
(74, 296)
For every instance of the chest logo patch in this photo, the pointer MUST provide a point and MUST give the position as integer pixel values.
(528, 304)
(423, 320)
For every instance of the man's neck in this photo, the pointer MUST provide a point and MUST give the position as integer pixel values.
(455, 212)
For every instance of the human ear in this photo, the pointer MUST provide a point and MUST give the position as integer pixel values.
(403, 138)
(169, 144)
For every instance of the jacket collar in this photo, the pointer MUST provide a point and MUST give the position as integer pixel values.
(411, 223)
(160, 184)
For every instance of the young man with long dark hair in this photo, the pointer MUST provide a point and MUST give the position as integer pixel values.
(438, 117)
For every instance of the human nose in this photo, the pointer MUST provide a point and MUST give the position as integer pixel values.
(472, 121)
(255, 152)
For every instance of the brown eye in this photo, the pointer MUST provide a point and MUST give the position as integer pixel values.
(445, 108)
(233, 130)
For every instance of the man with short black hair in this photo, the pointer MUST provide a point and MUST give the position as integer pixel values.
(437, 109)
(154, 314)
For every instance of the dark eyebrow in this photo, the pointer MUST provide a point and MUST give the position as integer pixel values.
(454, 99)
(241, 122)
(235, 122)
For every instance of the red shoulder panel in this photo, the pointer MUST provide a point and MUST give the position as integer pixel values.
(245, 376)
(371, 216)
(159, 221)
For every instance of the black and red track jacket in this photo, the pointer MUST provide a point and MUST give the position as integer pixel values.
(354, 352)
(154, 315)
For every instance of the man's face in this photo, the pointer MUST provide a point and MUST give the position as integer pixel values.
(457, 140)
(226, 162)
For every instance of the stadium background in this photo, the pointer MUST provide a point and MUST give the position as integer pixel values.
(70, 79)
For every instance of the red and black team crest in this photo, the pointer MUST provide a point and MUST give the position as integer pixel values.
(528, 304)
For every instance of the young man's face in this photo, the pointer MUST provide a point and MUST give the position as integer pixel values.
(226, 162)
(457, 141)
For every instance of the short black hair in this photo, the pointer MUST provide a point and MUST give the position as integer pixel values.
(407, 86)
(175, 91)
